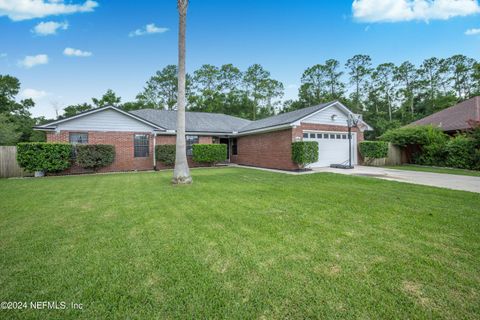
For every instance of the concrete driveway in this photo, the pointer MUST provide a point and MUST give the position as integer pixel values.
(449, 181)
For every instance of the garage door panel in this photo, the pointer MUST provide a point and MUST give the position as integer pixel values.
(333, 149)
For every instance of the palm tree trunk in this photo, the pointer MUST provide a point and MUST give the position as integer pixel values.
(181, 173)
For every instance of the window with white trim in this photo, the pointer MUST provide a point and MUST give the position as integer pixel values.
(78, 137)
(141, 146)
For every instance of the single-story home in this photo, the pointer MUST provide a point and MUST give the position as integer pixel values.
(263, 143)
(458, 118)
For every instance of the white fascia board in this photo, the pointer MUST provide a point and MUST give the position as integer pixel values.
(268, 129)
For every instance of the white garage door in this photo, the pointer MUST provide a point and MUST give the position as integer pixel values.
(332, 147)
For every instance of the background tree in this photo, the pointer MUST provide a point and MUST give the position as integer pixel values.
(16, 120)
(262, 90)
(181, 172)
(160, 91)
(359, 68)
(75, 109)
(109, 98)
(406, 76)
(333, 81)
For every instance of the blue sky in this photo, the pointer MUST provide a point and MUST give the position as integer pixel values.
(285, 36)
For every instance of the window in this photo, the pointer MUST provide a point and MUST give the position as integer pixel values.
(234, 147)
(140, 146)
(332, 136)
(191, 140)
(305, 135)
(325, 136)
(339, 136)
(312, 135)
(344, 136)
(78, 138)
(319, 136)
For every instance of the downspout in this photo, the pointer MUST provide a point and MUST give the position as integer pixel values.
(154, 153)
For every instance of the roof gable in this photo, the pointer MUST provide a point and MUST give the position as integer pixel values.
(82, 119)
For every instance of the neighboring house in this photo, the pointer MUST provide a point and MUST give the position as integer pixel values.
(263, 143)
(460, 117)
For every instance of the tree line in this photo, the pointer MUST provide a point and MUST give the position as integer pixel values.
(388, 95)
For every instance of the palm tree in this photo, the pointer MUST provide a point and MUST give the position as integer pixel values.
(181, 173)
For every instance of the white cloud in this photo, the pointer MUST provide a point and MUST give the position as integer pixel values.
(3, 55)
(31, 61)
(33, 94)
(18, 10)
(472, 32)
(50, 27)
(76, 53)
(408, 10)
(149, 29)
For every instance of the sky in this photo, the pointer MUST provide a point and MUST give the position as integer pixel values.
(66, 52)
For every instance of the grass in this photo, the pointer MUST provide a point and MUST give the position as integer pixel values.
(412, 167)
(238, 243)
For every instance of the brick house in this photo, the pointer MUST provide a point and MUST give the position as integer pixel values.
(263, 143)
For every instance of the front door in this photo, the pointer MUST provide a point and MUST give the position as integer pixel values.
(226, 141)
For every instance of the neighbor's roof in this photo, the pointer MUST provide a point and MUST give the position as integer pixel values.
(194, 121)
(454, 118)
(283, 118)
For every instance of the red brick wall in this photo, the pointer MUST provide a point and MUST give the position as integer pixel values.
(123, 142)
(268, 150)
(273, 149)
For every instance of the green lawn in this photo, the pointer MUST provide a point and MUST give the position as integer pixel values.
(238, 243)
(412, 167)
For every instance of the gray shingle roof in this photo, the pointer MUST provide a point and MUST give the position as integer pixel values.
(216, 122)
(194, 121)
(454, 118)
(283, 118)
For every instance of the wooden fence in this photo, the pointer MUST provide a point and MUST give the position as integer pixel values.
(395, 157)
(8, 163)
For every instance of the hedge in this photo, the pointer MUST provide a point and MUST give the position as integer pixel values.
(94, 156)
(461, 152)
(42, 156)
(165, 153)
(304, 152)
(209, 153)
(414, 135)
(374, 149)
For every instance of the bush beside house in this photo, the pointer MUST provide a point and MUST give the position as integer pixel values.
(304, 153)
(430, 146)
(209, 153)
(165, 154)
(94, 156)
(44, 157)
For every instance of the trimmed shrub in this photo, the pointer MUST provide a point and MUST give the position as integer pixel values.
(165, 153)
(434, 154)
(414, 135)
(374, 149)
(94, 156)
(42, 156)
(304, 152)
(209, 153)
(461, 152)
